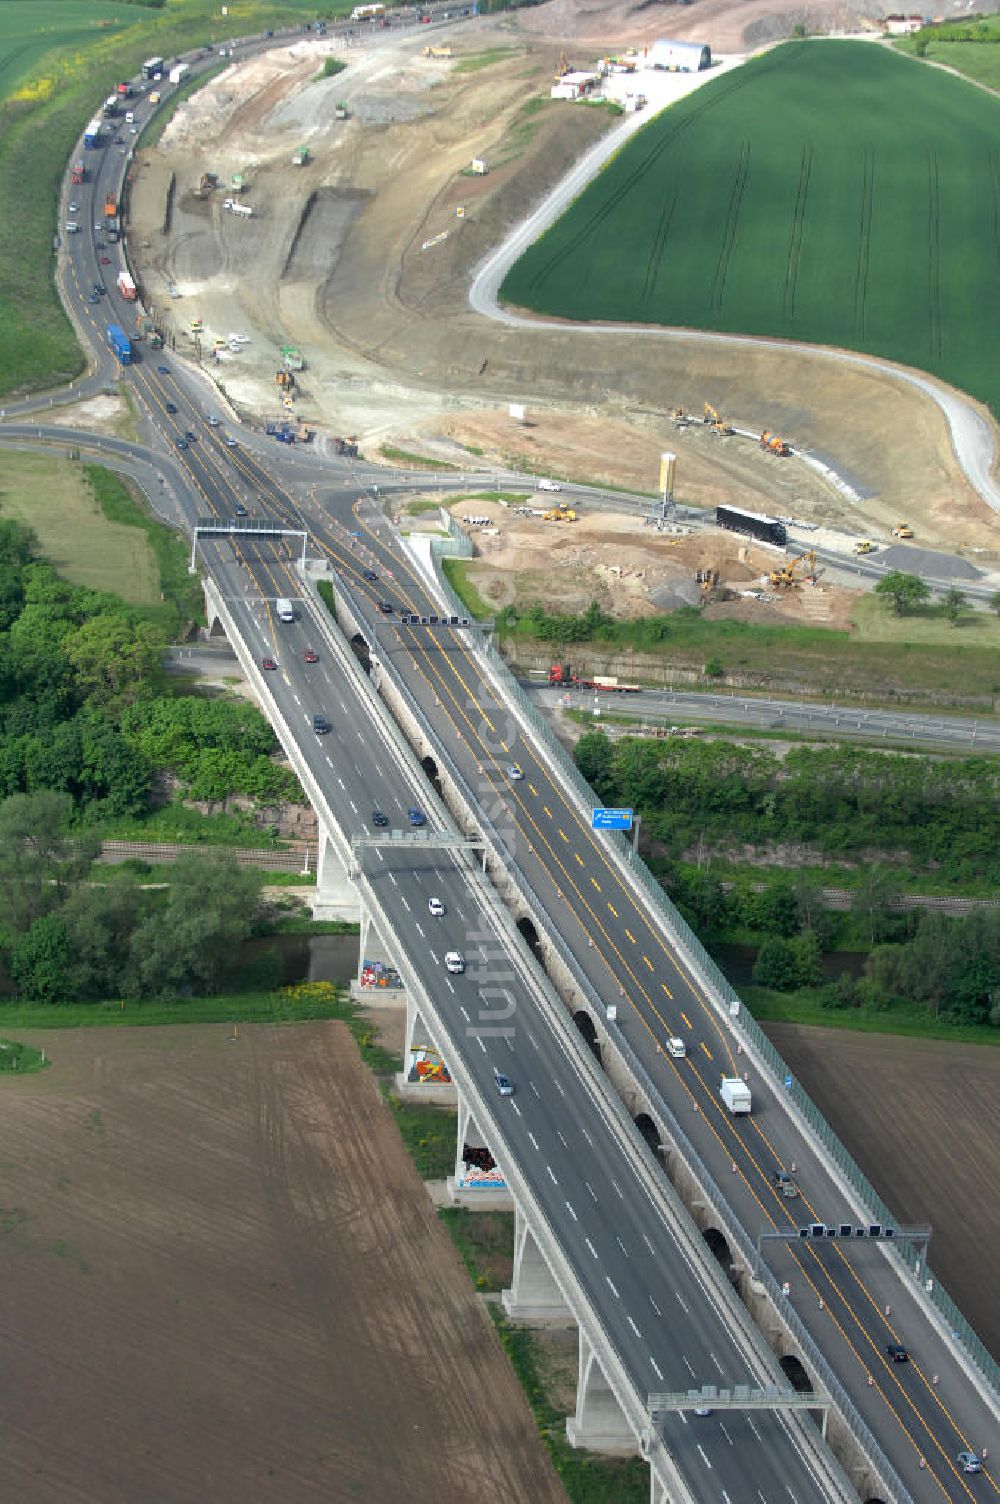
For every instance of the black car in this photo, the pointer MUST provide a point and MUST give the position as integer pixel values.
(386, 607)
(100, 289)
(163, 370)
(897, 1352)
(241, 510)
(171, 407)
(369, 574)
(182, 444)
(191, 434)
(380, 818)
(320, 724)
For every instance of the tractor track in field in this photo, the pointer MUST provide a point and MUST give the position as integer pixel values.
(862, 274)
(995, 181)
(933, 257)
(797, 234)
(614, 200)
(729, 234)
(659, 246)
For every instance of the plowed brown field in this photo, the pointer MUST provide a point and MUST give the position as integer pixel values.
(222, 1280)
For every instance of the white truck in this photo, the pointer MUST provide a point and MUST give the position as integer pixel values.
(736, 1094)
(178, 72)
(284, 609)
(244, 211)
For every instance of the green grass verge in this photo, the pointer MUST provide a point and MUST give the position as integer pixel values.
(420, 508)
(309, 1001)
(906, 879)
(970, 47)
(926, 626)
(20, 1059)
(180, 592)
(485, 1241)
(428, 1133)
(826, 191)
(87, 543)
(907, 1020)
(175, 823)
(477, 61)
(587, 1479)
(412, 461)
(457, 573)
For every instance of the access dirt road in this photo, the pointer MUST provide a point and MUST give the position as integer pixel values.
(222, 1279)
(919, 1116)
(362, 259)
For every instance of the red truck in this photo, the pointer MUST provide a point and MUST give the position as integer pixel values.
(562, 674)
(79, 173)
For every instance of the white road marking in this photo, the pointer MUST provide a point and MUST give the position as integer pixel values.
(618, 1188)
(343, 785)
(480, 1044)
(329, 759)
(753, 1428)
(655, 1306)
(535, 1090)
(296, 698)
(534, 1141)
(621, 1245)
(558, 1088)
(683, 1304)
(435, 960)
(704, 1459)
(591, 1247)
(515, 1108)
(378, 770)
(572, 1212)
(716, 1362)
(459, 913)
(463, 1013)
(403, 901)
(533, 1041)
(590, 1188)
(551, 1176)
(634, 1327)
(353, 806)
(392, 879)
(448, 983)
(611, 1287)
(419, 929)
(559, 1136)
(727, 1436)
(657, 1369)
(687, 1365)
(648, 1244)
(587, 1136)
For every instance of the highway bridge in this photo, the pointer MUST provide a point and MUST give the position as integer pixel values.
(641, 1203)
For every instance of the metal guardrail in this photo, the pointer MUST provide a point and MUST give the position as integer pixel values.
(691, 948)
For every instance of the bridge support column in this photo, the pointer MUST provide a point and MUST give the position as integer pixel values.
(336, 896)
(425, 1076)
(599, 1424)
(478, 1180)
(534, 1294)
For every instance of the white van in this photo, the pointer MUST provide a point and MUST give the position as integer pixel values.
(130, 117)
(285, 609)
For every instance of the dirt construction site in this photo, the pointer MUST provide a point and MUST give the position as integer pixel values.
(223, 1280)
(361, 258)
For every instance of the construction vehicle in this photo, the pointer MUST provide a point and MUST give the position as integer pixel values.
(787, 573)
(285, 380)
(207, 182)
(864, 546)
(561, 513)
(305, 433)
(292, 358)
(281, 430)
(110, 206)
(300, 156)
(718, 425)
(237, 182)
(902, 530)
(562, 69)
(772, 444)
(436, 52)
(340, 112)
(345, 445)
(706, 578)
(242, 211)
(562, 674)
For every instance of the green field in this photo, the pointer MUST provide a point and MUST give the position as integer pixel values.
(827, 191)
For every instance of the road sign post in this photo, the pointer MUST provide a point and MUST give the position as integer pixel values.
(612, 819)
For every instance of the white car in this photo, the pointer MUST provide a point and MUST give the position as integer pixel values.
(212, 422)
(514, 773)
(455, 962)
(435, 907)
(504, 1084)
(676, 1047)
(548, 485)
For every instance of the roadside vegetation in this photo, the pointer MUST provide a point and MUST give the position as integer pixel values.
(20, 1059)
(57, 63)
(713, 246)
(970, 47)
(950, 654)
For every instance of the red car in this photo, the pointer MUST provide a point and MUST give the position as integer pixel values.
(268, 663)
(105, 260)
(310, 656)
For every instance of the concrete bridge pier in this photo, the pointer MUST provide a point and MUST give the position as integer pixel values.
(599, 1424)
(336, 896)
(425, 1076)
(534, 1294)
(474, 1185)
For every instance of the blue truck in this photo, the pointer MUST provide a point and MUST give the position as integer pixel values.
(120, 343)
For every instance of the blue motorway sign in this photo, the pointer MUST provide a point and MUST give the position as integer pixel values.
(612, 819)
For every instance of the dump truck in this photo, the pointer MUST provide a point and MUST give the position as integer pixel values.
(120, 343)
(300, 156)
(110, 206)
(292, 358)
(126, 287)
(243, 211)
(735, 1093)
(340, 113)
(237, 182)
(281, 430)
(562, 674)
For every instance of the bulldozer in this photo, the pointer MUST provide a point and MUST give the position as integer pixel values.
(902, 530)
(772, 444)
(561, 513)
(718, 425)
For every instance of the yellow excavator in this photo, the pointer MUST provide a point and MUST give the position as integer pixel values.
(718, 425)
(561, 513)
(788, 573)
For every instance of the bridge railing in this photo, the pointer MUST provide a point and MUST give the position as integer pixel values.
(720, 989)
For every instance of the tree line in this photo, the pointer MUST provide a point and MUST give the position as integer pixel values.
(943, 813)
